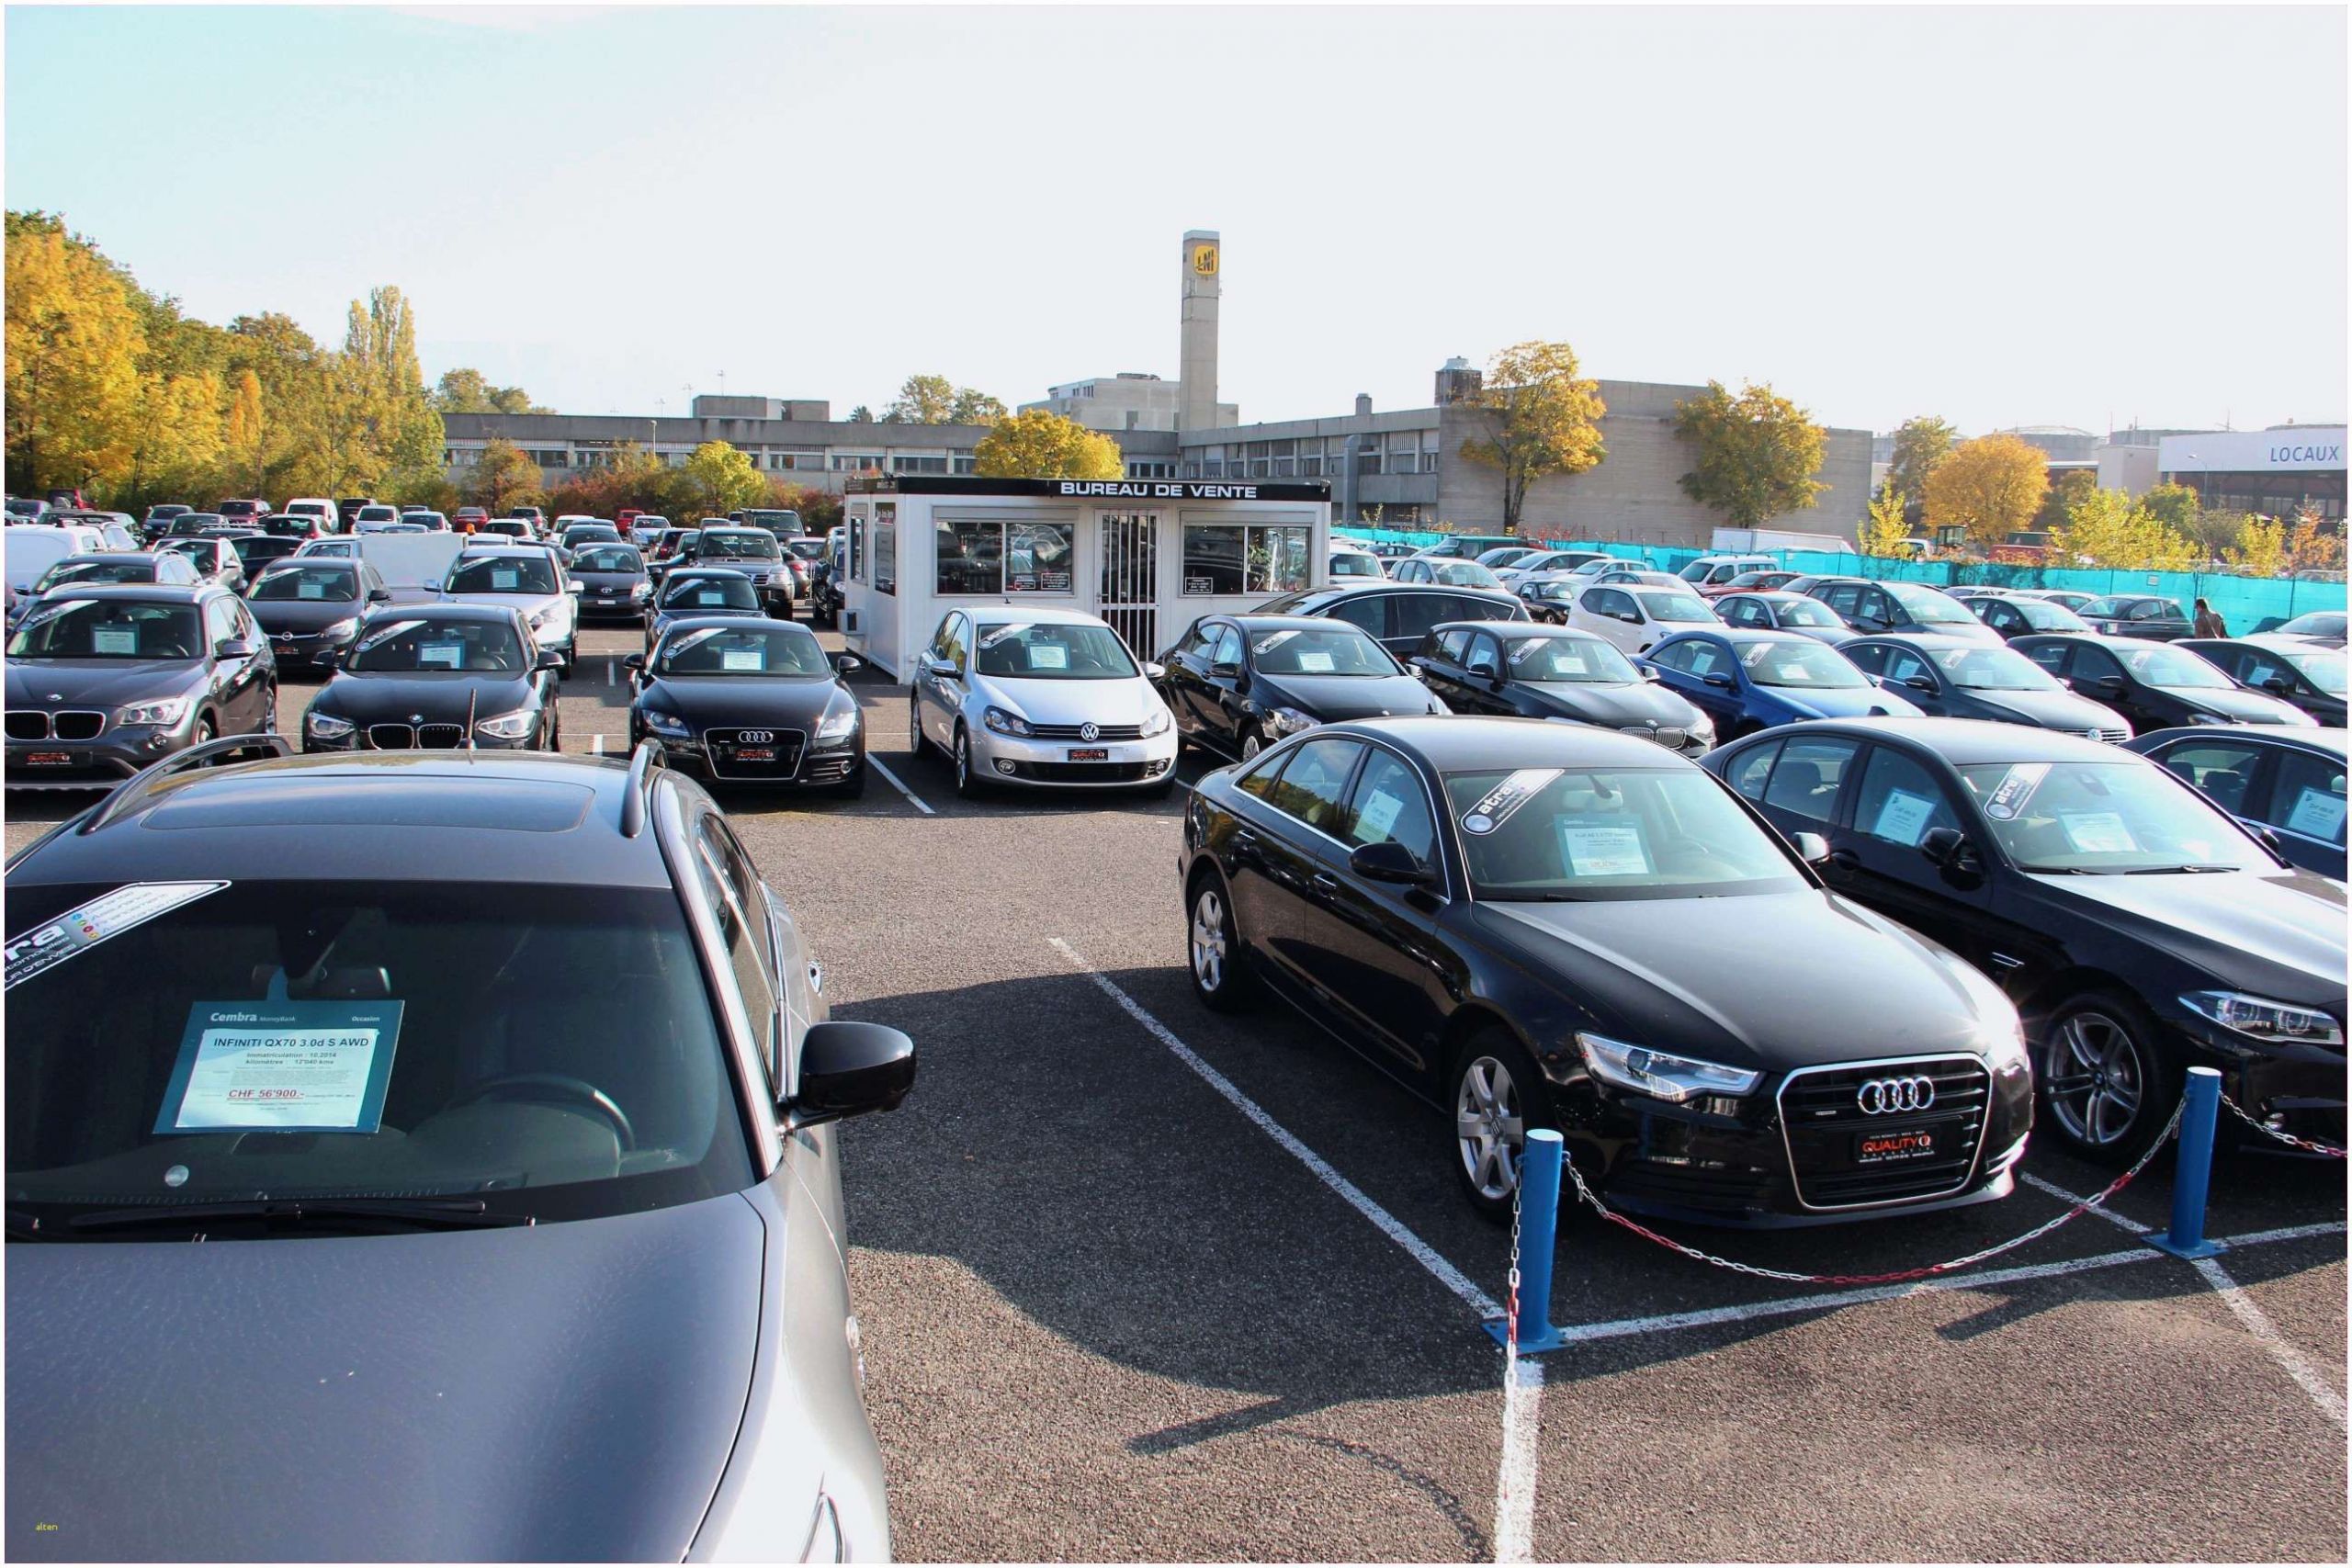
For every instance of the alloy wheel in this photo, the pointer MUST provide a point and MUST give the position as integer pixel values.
(1252, 746)
(1487, 1127)
(2095, 1078)
(1208, 939)
(962, 762)
(915, 726)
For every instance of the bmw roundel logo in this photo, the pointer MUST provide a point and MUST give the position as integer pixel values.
(1089, 731)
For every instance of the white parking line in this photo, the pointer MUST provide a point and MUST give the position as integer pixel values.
(2242, 1307)
(1515, 1477)
(900, 787)
(611, 677)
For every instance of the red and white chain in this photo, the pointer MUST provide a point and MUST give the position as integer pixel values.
(1510, 1302)
(2305, 1143)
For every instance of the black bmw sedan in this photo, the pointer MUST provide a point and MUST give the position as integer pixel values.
(1950, 678)
(1545, 671)
(758, 702)
(1536, 924)
(2152, 683)
(437, 677)
(2139, 929)
(1237, 684)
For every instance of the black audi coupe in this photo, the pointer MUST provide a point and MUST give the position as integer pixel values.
(1549, 925)
(750, 702)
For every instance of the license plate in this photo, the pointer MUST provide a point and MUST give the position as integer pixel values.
(1893, 1148)
(49, 759)
(1089, 753)
(755, 753)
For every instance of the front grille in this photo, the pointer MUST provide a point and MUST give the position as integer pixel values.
(1820, 1117)
(441, 736)
(723, 746)
(1084, 772)
(79, 724)
(1070, 733)
(28, 726)
(2112, 737)
(1663, 737)
(392, 737)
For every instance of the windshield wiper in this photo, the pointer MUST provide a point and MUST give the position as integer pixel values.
(2173, 870)
(447, 1213)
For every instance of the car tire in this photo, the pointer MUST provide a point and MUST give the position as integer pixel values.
(1251, 743)
(967, 778)
(918, 743)
(1493, 1081)
(206, 731)
(555, 732)
(269, 711)
(1215, 957)
(2107, 1079)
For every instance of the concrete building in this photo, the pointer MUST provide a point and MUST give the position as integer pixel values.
(2276, 472)
(1133, 399)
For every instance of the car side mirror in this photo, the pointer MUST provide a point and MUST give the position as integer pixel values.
(1949, 849)
(548, 659)
(379, 595)
(844, 663)
(848, 1069)
(1225, 668)
(1154, 671)
(2112, 685)
(633, 661)
(1812, 848)
(574, 586)
(1389, 861)
(2279, 685)
(1918, 684)
(1482, 669)
(328, 657)
(233, 648)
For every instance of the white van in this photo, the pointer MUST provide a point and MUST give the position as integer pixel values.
(312, 506)
(1715, 572)
(34, 547)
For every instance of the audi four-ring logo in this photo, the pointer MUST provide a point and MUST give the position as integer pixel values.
(756, 737)
(1886, 1096)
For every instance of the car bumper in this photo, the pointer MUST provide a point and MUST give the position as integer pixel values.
(1049, 764)
(2297, 1088)
(612, 608)
(302, 652)
(359, 742)
(99, 764)
(805, 766)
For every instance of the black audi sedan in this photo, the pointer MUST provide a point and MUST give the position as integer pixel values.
(2288, 782)
(437, 677)
(1546, 925)
(1947, 678)
(700, 590)
(1894, 607)
(1237, 684)
(104, 680)
(1398, 614)
(2286, 668)
(1543, 672)
(309, 607)
(613, 582)
(2154, 684)
(2017, 614)
(2139, 929)
(750, 702)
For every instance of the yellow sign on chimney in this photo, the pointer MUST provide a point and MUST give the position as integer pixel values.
(1205, 260)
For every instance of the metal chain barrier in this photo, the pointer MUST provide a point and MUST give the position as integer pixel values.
(2307, 1144)
(1932, 1270)
(1510, 1302)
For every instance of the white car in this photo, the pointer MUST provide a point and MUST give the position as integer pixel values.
(1353, 560)
(1050, 698)
(370, 518)
(1540, 561)
(34, 547)
(1715, 572)
(1638, 616)
(314, 506)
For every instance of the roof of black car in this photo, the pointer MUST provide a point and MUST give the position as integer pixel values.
(1918, 640)
(145, 592)
(440, 610)
(1456, 743)
(2317, 738)
(1966, 741)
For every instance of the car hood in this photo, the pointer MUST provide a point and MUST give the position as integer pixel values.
(442, 699)
(2247, 707)
(1128, 700)
(1840, 702)
(595, 580)
(551, 1392)
(2278, 934)
(523, 604)
(1333, 699)
(303, 614)
(784, 701)
(98, 682)
(1686, 974)
(2051, 710)
(1637, 702)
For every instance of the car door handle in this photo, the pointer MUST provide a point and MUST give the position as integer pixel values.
(1324, 882)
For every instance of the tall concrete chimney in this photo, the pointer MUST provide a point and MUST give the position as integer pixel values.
(1204, 264)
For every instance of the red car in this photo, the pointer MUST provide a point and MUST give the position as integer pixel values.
(247, 512)
(1748, 582)
(466, 519)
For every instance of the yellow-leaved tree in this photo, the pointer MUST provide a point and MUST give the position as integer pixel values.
(1884, 529)
(1543, 418)
(724, 478)
(1991, 486)
(1042, 445)
(1756, 453)
(75, 341)
(2107, 528)
(2311, 547)
(2260, 550)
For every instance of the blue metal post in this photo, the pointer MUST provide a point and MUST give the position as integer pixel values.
(2192, 1175)
(1539, 1235)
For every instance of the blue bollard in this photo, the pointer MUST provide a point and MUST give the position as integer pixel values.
(2193, 1175)
(1539, 1235)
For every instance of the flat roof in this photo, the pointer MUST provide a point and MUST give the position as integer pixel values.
(1084, 490)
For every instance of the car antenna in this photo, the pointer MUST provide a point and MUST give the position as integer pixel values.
(472, 697)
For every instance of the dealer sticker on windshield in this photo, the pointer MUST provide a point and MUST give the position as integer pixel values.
(83, 929)
(2016, 788)
(1493, 808)
(282, 1066)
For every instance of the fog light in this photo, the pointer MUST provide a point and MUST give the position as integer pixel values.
(1004, 765)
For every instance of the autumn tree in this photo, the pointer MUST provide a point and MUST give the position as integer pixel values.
(1990, 486)
(2260, 548)
(1884, 528)
(1756, 453)
(74, 344)
(2069, 488)
(1542, 418)
(1043, 445)
(724, 480)
(975, 407)
(2107, 528)
(468, 390)
(2312, 546)
(244, 435)
(501, 477)
(1920, 442)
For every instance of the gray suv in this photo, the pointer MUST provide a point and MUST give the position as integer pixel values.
(508, 1090)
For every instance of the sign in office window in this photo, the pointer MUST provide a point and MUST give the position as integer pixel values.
(994, 557)
(1235, 558)
(885, 546)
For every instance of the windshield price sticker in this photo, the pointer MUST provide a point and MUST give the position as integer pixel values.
(504, 581)
(81, 929)
(2098, 833)
(310, 588)
(1599, 850)
(2318, 814)
(1047, 655)
(114, 640)
(753, 659)
(1312, 663)
(282, 1067)
(2016, 788)
(1903, 817)
(447, 655)
(1494, 808)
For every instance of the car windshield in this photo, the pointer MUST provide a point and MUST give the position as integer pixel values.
(2104, 817)
(553, 1051)
(1350, 563)
(807, 549)
(1993, 670)
(1565, 593)
(1673, 604)
(1583, 660)
(2045, 617)
(501, 574)
(692, 593)
(108, 628)
(598, 534)
(1799, 664)
(608, 558)
(413, 645)
(378, 515)
(2322, 670)
(1543, 834)
(86, 572)
(2319, 623)
(750, 649)
(1804, 612)
(193, 523)
(331, 584)
(736, 543)
(1053, 651)
(1464, 574)
(1335, 649)
(1928, 607)
(2157, 665)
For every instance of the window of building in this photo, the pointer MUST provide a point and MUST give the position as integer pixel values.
(907, 464)
(968, 464)
(886, 548)
(856, 463)
(1236, 557)
(1213, 467)
(1310, 466)
(993, 557)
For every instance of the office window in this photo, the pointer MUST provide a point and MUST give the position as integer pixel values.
(992, 558)
(968, 464)
(886, 548)
(856, 463)
(904, 464)
(1213, 467)
(1235, 558)
(1311, 466)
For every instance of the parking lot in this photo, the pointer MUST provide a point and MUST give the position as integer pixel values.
(1138, 1281)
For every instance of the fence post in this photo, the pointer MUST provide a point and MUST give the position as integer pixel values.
(2192, 1174)
(1539, 1237)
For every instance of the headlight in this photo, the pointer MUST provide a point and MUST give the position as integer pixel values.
(667, 725)
(1157, 724)
(1705, 726)
(540, 619)
(1288, 721)
(640, 591)
(2264, 1020)
(342, 631)
(164, 712)
(2003, 1044)
(838, 723)
(1005, 722)
(326, 726)
(515, 726)
(1654, 1073)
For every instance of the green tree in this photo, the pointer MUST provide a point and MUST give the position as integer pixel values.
(724, 480)
(1039, 444)
(935, 400)
(1758, 453)
(1541, 418)
(2107, 528)
(2260, 548)
(861, 414)
(975, 407)
(1883, 527)
(244, 430)
(1920, 442)
(503, 477)
(74, 340)
(468, 390)
(2059, 501)
(1990, 486)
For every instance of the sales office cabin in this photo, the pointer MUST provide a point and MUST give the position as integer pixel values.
(1149, 556)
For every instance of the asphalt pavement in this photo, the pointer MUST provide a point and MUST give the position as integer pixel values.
(1142, 1281)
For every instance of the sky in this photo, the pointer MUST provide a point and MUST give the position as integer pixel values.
(2086, 217)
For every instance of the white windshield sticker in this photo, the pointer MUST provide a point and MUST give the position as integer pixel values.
(1045, 656)
(2098, 833)
(1273, 640)
(1903, 817)
(445, 654)
(1595, 849)
(1492, 809)
(504, 581)
(677, 646)
(114, 640)
(378, 638)
(111, 914)
(282, 1066)
(2318, 814)
(743, 659)
(2017, 786)
(1379, 815)
(310, 590)
(1313, 663)
(51, 612)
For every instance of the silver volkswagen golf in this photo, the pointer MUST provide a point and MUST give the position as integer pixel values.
(501, 1089)
(1017, 695)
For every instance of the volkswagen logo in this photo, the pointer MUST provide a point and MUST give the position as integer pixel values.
(756, 737)
(1888, 1097)
(1089, 731)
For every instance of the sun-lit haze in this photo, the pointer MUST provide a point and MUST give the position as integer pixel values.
(2000, 216)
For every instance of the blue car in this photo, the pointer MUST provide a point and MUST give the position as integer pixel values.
(1747, 681)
